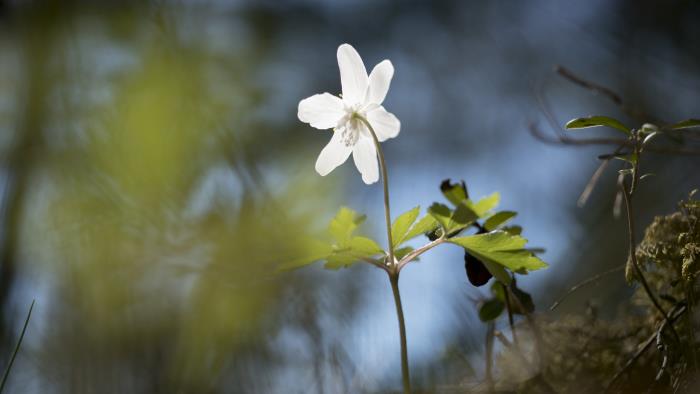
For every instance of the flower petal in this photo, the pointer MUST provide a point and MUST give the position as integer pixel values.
(353, 75)
(322, 111)
(384, 123)
(364, 154)
(333, 154)
(379, 81)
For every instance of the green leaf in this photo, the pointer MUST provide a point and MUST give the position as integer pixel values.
(593, 121)
(498, 219)
(452, 221)
(461, 217)
(491, 310)
(400, 227)
(313, 250)
(425, 225)
(454, 192)
(344, 224)
(501, 248)
(485, 205)
(358, 248)
(364, 247)
(441, 213)
(402, 252)
(684, 124)
(513, 230)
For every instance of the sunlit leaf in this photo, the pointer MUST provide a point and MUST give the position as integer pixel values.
(498, 219)
(501, 248)
(454, 192)
(357, 249)
(344, 224)
(593, 121)
(315, 250)
(482, 207)
(400, 227)
(424, 225)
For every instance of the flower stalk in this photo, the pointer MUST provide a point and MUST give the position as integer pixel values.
(393, 266)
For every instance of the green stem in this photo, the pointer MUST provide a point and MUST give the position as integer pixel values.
(405, 374)
(385, 182)
(393, 268)
(17, 346)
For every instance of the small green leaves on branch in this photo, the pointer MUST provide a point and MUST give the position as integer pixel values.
(498, 219)
(400, 227)
(499, 249)
(594, 121)
(344, 249)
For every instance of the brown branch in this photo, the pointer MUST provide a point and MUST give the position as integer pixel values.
(644, 347)
(584, 283)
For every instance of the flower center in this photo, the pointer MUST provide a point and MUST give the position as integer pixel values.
(350, 126)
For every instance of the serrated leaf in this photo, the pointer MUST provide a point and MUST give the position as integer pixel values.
(461, 218)
(356, 249)
(424, 225)
(501, 248)
(513, 230)
(400, 227)
(498, 219)
(491, 309)
(485, 205)
(454, 192)
(441, 213)
(593, 121)
(402, 252)
(313, 251)
(684, 124)
(364, 247)
(344, 224)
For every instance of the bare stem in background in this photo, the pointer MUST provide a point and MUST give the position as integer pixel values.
(627, 196)
(19, 343)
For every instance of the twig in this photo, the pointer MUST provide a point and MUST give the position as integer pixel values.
(17, 346)
(509, 308)
(644, 346)
(565, 140)
(635, 263)
(586, 282)
(489, 356)
(605, 92)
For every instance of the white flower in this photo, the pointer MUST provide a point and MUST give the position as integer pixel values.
(362, 96)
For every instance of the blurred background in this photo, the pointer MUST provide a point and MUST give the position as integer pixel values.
(154, 175)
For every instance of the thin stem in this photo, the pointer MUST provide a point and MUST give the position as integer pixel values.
(14, 354)
(393, 268)
(385, 182)
(509, 308)
(490, 332)
(405, 374)
(627, 196)
(411, 256)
